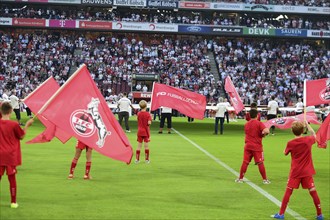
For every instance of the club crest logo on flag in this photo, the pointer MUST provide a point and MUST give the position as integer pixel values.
(280, 121)
(325, 93)
(86, 122)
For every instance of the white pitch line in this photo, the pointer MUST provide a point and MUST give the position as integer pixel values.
(254, 186)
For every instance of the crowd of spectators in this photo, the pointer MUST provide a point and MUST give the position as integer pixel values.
(179, 17)
(262, 68)
(259, 68)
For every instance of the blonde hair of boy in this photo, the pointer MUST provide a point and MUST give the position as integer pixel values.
(143, 104)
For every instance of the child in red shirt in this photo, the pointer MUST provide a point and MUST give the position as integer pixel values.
(253, 106)
(254, 132)
(302, 168)
(143, 134)
(10, 147)
(79, 148)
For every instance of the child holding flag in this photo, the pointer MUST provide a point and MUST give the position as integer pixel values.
(302, 168)
(143, 134)
(254, 132)
(79, 148)
(10, 148)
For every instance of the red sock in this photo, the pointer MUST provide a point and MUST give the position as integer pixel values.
(12, 187)
(88, 168)
(137, 154)
(262, 170)
(146, 151)
(316, 201)
(285, 200)
(73, 165)
(243, 170)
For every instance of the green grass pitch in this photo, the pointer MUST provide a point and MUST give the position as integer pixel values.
(181, 182)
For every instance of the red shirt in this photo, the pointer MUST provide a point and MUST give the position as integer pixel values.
(248, 117)
(143, 127)
(301, 156)
(10, 146)
(253, 135)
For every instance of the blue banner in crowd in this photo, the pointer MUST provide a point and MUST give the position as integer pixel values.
(291, 32)
(195, 29)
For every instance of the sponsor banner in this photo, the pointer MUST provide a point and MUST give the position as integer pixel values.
(150, 76)
(137, 26)
(136, 3)
(253, 7)
(42, 1)
(62, 23)
(227, 6)
(139, 95)
(318, 34)
(227, 30)
(195, 5)
(6, 21)
(301, 9)
(162, 3)
(97, 2)
(259, 31)
(195, 29)
(99, 25)
(163, 27)
(291, 32)
(29, 22)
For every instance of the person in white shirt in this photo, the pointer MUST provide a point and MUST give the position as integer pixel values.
(299, 107)
(14, 101)
(325, 112)
(5, 96)
(124, 105)
(272, 111)
(166, 114)
(221, 108)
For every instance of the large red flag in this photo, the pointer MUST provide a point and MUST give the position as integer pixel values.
(281, 123)
(286, 122)
(189, 103)
(317, 92)
(35, 101)
(235, 99)
(323, 134)
(79, 109)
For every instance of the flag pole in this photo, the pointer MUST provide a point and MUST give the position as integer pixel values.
(59, 90)
(49, 78)
(153, 85)
(304, 97)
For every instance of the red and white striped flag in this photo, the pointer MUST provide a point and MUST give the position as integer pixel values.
(235, 99)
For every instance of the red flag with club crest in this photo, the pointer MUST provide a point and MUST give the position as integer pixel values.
(317, 92)
(79, 109)
(235, 99)
(35, 100)
(323, 134)
(189, 103)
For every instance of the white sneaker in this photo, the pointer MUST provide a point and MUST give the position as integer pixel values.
(14, 205)
(128, 131)
(137, 161)
(147, 161)
(239, 181)
(266, 181)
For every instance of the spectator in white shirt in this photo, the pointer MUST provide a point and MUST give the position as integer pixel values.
(221, 108)
(124, 105)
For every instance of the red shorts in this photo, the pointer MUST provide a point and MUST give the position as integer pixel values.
(306, 182)
(82, 146)
(257, 155)
(144, 139)
(10, 170)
